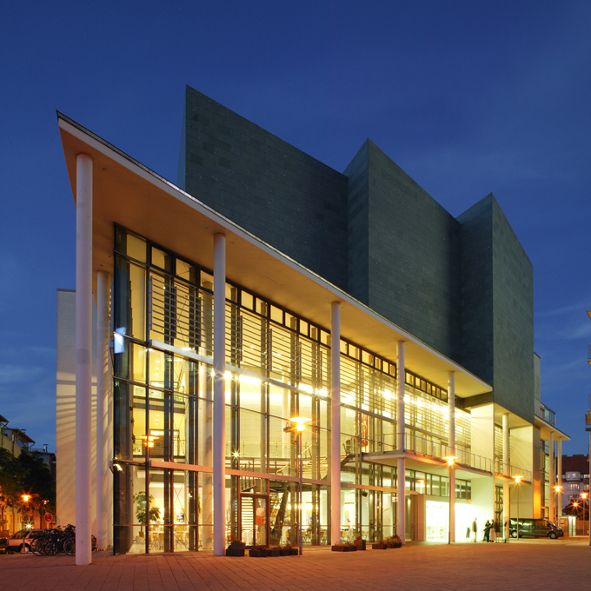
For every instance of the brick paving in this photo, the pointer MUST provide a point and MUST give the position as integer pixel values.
(524, 565)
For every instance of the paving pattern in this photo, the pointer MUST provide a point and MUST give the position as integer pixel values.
(535, 565)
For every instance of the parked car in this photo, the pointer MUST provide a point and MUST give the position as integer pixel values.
(3, 545)
(23, 538)
(535, 528)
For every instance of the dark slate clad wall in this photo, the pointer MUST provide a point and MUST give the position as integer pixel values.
(413, 256)
(513, 319)
(477, 290)
(277, 192)
(497, 301)
(358, 225)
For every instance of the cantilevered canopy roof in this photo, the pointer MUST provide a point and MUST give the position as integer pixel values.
(127, 193)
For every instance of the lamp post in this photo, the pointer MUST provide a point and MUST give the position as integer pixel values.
(25, 498)
(584, 497)
(298, 426)
(517, 479)
(451, 463)
(149, 441)
(558, 490)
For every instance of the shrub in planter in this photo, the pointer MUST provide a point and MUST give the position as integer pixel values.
(394, 541)
(287, 550)
(379, 546)
(359, 543)
(343, 548)
(258, 552)
(274, 551)
(236, 548)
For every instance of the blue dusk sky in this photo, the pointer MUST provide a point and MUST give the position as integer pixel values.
(468, 97)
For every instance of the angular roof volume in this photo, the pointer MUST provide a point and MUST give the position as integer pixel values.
(127, 193)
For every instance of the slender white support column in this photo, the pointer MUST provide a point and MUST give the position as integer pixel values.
(219, 395)
(400, 445)
(451, 401)
(83, 354)
(559, 478)
(335, 423)
(102, 408)
(506, 472)
(551, 478)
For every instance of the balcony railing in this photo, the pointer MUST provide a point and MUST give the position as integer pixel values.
(546, 414)
(512, 470)
(437, 449)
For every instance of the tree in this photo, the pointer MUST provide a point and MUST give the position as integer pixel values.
(28, 474)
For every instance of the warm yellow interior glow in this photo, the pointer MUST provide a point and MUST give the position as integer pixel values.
(299, 423)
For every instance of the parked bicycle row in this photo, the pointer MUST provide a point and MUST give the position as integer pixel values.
(45, 542)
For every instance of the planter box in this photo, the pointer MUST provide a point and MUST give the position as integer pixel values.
(258, 552)
(343, 548)
(235, 549)
(379, 546)
(274, 551)
(289, 551)
(360, 544)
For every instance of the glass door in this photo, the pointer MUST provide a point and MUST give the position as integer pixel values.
(254, 519)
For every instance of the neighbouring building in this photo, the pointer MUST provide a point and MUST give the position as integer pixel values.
(575, 477)
(270, 287)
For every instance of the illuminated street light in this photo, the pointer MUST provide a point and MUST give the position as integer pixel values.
(518, 479)
(558, 490)
(298, 426)
(149, 441)
(25, 498)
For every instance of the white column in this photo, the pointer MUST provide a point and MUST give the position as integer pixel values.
(451, 401)
(219, 395)
(335, 423)
(401, 478)
(103, 434)
(551, 478)
(83, 354)
(506, 472)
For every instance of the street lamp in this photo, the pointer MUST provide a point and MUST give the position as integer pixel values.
(25, 498)
(517, 479)
(558, 490)
(451, 521)
(298, 426)
(149, 442)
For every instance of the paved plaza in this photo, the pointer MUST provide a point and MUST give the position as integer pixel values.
(524, 565)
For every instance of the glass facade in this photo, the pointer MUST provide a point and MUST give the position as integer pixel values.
(277, 367)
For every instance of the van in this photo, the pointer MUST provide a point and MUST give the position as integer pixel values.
(535, 528)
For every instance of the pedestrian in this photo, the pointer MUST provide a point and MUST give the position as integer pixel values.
(486, 537)
(493, 530)
(475, 529)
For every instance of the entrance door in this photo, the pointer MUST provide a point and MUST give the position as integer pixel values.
(254, 520)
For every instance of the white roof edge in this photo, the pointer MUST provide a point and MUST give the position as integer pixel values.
(153, 177)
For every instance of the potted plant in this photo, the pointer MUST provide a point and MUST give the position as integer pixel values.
(140, 510)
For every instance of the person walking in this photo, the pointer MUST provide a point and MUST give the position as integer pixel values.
(487, 526)
(493, 530)
(475, 530)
